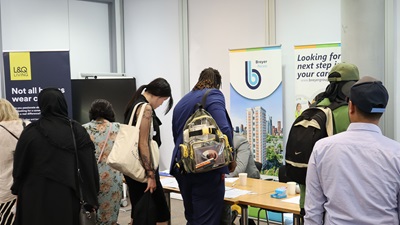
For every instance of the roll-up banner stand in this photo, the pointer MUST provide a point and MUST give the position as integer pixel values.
(27, 73)
(312, 65)
(256, 102)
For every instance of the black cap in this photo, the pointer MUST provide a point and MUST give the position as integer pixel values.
(369, 95)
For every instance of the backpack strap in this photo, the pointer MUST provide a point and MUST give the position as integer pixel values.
(209, 130)
(336, 104)
(329, 120)
(9, 131)
(333, 105)
(203, 100)
(202, 104)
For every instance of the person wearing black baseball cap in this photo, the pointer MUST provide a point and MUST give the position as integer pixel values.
(369, 96)
(354, 177)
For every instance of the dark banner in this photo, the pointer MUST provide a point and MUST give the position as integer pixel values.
(27, 73)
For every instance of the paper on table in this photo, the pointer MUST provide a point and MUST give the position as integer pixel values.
(294, 200)
(230, 192)
(231, 179)
(169, 182)
(234, 192)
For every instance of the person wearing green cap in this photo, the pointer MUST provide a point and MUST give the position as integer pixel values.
(341, 78)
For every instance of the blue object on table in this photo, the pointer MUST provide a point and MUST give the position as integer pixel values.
(279, 193)
(275, 195)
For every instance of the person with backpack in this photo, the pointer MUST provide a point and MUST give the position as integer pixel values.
(202, 193)
(354, 177)
(333, 118)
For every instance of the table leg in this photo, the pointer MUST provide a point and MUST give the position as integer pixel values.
(245, 214)
(168, 199)
(297, 219)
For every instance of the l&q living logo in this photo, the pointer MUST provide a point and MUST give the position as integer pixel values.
(20, 66)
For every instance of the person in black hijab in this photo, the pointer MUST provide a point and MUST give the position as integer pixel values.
(45, 174)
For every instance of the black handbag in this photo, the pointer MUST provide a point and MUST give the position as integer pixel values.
(87, 214)
(145, 210)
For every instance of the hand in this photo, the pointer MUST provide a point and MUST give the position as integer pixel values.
(232, 166)
(151, 185)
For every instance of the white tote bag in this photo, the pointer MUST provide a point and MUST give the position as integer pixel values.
(124, 155)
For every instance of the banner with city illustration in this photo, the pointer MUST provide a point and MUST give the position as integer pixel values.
(312, 65)
(256, 102)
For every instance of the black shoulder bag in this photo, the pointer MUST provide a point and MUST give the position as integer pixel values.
(87, 216)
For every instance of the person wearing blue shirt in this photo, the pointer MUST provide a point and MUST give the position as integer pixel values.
(202, 193)
(354, 177)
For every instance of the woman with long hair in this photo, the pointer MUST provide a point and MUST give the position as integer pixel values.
(154, 93)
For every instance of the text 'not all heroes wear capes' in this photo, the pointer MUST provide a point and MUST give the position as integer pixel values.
(45, 176)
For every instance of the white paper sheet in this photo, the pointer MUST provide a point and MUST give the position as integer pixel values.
(169, 182)
(230, 192)
(234, 192)
(294, 200)
(231, 179)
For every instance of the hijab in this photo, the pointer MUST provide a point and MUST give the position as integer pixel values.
(56, 127)
(54, 143)
(54, 122)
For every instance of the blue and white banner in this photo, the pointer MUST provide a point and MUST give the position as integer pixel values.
(256, 102)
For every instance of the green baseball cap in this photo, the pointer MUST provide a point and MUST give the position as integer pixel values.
(344, 72)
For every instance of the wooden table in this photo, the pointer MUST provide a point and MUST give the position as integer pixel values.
(257, 186)
(259, 197)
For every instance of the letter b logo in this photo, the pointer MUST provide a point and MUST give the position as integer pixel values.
(253, 77)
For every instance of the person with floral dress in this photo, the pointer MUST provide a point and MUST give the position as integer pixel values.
(103, 131)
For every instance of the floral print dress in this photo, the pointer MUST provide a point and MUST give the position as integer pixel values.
(110, 180)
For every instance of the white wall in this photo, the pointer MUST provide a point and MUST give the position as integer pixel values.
(46, 25)
(217, 26)
(34, 25)
(152, 49)
(89, 38)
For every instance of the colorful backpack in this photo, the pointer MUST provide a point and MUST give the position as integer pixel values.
(204, 146)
